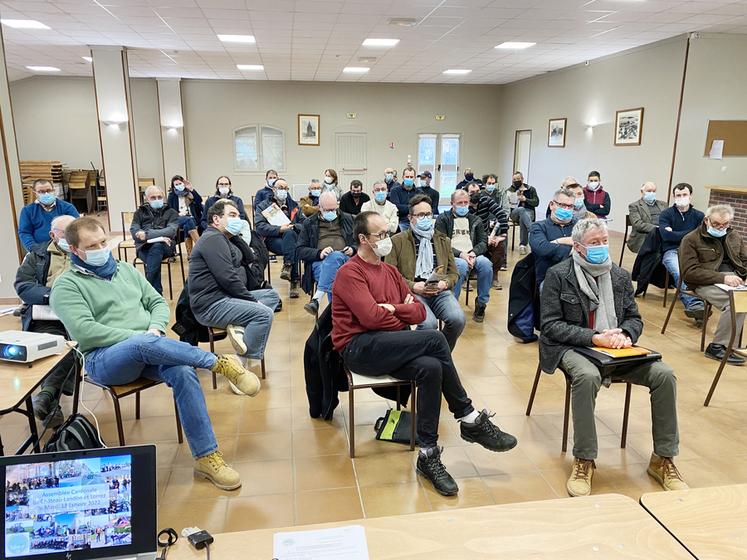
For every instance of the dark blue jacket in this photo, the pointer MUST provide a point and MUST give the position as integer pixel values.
(31, 281)
(215, 198)
(195, 207)
(546, 253)
(35, 221)
(681, 225)
(400, 197)
(265, 228)
(263, 194)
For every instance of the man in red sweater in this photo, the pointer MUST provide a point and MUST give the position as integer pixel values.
(372, 310)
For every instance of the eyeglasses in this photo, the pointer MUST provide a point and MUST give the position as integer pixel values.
(379, 236)
(423, 215)
(566, 206)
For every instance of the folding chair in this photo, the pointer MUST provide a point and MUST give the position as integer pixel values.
(706, 311)
(625, 239)
(737, 304)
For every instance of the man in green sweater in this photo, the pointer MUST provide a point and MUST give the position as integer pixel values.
(119, 320)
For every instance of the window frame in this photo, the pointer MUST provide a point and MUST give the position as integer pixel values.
(261, 167)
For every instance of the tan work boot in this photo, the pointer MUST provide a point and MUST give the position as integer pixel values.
(214, 468)
(579, 483)
(663, 470)
(230, 367)
(236, 336)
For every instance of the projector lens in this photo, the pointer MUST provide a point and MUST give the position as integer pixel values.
(12, 352)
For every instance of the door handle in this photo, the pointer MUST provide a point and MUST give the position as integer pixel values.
(439, 167)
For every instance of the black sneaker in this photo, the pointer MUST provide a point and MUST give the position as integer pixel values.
(696, 312)
(285, 273)
(42, 404)
(312, 308)
(479, 315)
(487, 434)
(430, 466)
(279, 307)
(717, 351)
(54, 418)
(294, 290)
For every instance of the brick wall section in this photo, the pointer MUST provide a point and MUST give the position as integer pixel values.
(739, 202)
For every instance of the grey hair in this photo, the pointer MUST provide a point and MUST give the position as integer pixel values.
(583, 226)
(63, 219)
(568, 181)
(563, 192)
(720, 209)
(327, 197)
(377, 184)
(458, 192)
(315, 182)
(151, 189)
(644, 185)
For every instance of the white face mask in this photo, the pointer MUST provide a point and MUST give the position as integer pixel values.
(383, 247)
(683, 202)
(329, 180)
(224, 190)
(593, 185)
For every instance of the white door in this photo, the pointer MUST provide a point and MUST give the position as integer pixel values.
(350, 159)
(522, 148)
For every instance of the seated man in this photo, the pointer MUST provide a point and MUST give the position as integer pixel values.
(579, 203)
(495, 221)
(469, 242)
(469, 177)
(372, 309)
(644, 215)
(265, 192)
(596, 199)
(219, 286)
(119, 322)
(714, 253)
(674, 224)
(351, 201)
(498, 254)
(588, 301)
(550, 239)
(154, 228)
(523, 200)
(34, 279)
(419, 252)
(390, 178)
(310, 204)
(425, 187)
(36, 218)
(281, 240)
(325, 244)
(400, 196)
(382, 206)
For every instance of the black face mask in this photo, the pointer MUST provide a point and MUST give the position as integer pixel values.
(474, 198)
(469, 176)
(517, 184)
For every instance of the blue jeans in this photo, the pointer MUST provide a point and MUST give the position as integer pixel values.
(671, 262)
(254, 316)
(445, 307)
(187, 223)
(404, 224)
(167, 360)
(326, 270)
(152, 254)
(484, 269)
(285, 245)
(524, 217)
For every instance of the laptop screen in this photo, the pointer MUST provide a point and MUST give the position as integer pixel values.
(76, 501)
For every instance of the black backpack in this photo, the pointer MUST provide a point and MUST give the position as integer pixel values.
(75, 433)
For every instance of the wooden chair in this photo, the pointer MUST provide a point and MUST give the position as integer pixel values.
(625, 239)
(357, 381)
(737, 304)
(117, 392)
(567, 406)
(706, 311)
(214, 335)
(127, 241)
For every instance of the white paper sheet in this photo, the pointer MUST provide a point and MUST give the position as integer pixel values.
(275, 215)
(339, 543)
(717, 150)
(727, 288)
(43, 313)
(161, 239)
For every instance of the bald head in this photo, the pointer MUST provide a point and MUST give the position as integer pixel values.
(648, 192)
(153, 192)
(328, 201)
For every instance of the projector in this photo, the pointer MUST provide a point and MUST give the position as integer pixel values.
(27, 347)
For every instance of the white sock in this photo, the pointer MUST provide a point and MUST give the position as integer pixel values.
(318, 295)
(470, 418)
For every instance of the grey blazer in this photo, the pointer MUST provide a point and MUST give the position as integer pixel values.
(640, 222)
(565, 312)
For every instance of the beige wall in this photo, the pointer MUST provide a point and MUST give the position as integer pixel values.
(144, 97)
(386, 112)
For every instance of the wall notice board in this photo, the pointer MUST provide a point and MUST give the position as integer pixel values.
(733, 133)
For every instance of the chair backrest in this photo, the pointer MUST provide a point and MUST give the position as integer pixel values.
(739, 301)
(126, 222)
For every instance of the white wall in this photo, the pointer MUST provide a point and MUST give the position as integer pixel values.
(386, 112)
(144, 97)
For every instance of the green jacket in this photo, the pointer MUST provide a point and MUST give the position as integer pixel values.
(403, 256)
(98, 313)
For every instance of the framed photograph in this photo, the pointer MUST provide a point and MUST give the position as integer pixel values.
(308, 130)
(629, 127)
(556, 133)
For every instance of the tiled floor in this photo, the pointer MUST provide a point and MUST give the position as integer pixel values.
(296, 470)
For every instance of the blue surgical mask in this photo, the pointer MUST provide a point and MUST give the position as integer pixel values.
(389, 177)
(315, 192)
(234, 225)
(97, 257)
(329, 215)
(281, 195)
(156, 204)
(649, 197)
(461, 211)
(64, 245)
(713, 232)
(47, 199)
(178, 187)
(578, 203)
(563, 214)
(490, 188)
(380, 196)
(424, 224)
(409, 183)
(597, 254)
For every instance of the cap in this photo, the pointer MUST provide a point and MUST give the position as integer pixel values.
(426, 173)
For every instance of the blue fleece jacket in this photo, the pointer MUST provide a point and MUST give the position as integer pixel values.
(546, 253)
(681, 224)
(35, 222)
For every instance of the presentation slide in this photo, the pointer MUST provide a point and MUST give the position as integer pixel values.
(68, 505)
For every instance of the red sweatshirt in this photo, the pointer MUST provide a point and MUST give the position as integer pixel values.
(359, 286)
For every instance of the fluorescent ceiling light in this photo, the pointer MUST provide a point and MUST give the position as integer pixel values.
(457, 71)
(43, 68)
(355, 69)
(24, 24)
(87, 58)
(250, 67)
(515, 45)
(248, 39)
(380, 42)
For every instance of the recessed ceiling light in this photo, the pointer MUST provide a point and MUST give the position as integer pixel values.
(457, 71)
(380, 42)
(24, 24)
(43, 68)
(355, 69)
(248, 39)
(403, 21)
(250, 67)
(517, 45)
(87, 58)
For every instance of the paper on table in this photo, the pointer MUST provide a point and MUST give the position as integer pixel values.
(728, 288)
(43, 313)
(275, 215)
(339, 543)
(717, 150)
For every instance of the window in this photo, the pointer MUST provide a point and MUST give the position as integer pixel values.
(439, 154)
(255, 151)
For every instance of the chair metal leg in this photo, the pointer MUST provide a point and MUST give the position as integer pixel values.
(666, 290)
(399, 405)
(211, 342)
(669, 313)
(179, 434)
(626, 415)
(622, 250)
(137, 405)
(181, 265)
(351, 416)
(262, 365)
(413, 415)
(566, 413)
(707, 311)
(721, 366)
(118, 416)
(171, 289)
(534, 389)
(513, 237)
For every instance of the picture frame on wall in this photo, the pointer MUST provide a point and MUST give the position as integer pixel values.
(308, 130)
(556, 133)
(629, 127)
